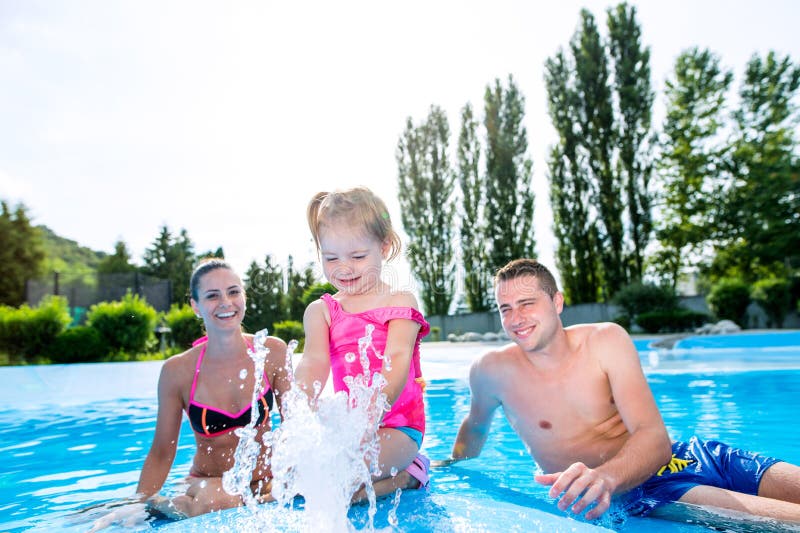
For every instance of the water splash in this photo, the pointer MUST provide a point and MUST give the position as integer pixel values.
(326, 452)
(238, 479)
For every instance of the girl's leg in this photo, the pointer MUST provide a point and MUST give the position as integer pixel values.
(397, 452)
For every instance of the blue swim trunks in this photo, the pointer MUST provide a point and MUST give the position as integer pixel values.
(695, 463)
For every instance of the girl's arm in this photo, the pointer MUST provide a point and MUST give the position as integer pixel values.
(168, 425)
(400, 341)
(316, 363)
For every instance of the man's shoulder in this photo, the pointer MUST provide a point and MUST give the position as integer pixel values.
(498, 358)
(597, 332)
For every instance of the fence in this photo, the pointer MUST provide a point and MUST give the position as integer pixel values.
(110, 287)
(489, 321)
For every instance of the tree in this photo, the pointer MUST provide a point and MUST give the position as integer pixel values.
(759, 222)
(426, 181)
(596, 122)
(509, 197)
(576, 235)
(21, 253)
(691, 160)
(474, 259)
(297, 284)
(118, 262)
(633, 130)
(265, 296)
(171, 258)
(601, 167)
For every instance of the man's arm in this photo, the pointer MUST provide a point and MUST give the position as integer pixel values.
(648, 447)
(483, 402)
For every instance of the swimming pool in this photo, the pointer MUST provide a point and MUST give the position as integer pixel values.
(76, 435)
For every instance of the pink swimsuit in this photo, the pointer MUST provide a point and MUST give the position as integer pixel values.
(345, 330)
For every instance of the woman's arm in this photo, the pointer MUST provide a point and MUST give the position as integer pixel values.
(316, 362)
(278, 368)
(168, 424)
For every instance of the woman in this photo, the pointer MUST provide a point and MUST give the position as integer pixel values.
(213, 383)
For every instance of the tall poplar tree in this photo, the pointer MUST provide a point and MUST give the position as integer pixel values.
(692, 157)
(596, 122)
(570, 189)
(633, 129)
(509, 197)
(474, 259)
(760, 220)
(426, 180)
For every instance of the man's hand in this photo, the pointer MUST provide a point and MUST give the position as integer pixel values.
(580, 486)
(444, 462)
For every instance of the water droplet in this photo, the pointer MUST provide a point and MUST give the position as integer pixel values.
(203, 484)
(242, 373)
(393, 471)
(350, 357)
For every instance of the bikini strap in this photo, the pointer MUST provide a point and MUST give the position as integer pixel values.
(197, 371)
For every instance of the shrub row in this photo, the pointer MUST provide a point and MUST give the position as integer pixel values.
(672, 320)
(31, 332)
(113, 330)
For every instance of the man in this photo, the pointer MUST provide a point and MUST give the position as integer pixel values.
(578, 399)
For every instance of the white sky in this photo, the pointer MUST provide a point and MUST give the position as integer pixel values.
(224, 118)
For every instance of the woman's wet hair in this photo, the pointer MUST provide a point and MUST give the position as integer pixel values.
(204, 267)
(528, 267)
(357, 207)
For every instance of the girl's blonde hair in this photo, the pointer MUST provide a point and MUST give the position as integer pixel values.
(358, 207)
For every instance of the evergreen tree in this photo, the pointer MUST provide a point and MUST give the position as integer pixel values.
(118, 262)
(635, 102)
(509, 197)
(760, 220)
(171, 258)
(692, 156)
(21, 253)
(474, 259)
(265, 296)
(298, 283)
(570, 189)
(425, 180)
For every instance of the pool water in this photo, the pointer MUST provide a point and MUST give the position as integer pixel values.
(66, 445)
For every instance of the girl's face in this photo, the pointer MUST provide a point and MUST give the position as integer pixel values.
(221, 301)
(351, 261)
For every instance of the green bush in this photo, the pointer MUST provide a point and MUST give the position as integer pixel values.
(28, 332)
(126, 325)
(774, 296)
(638, 298)
(673, 320)
(729, 298)
(77, 345)
(315, 292)
(184, 325)
(289, 330)
(623, 320)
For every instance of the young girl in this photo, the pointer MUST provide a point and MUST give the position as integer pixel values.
(208, 383)
(354, 236)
